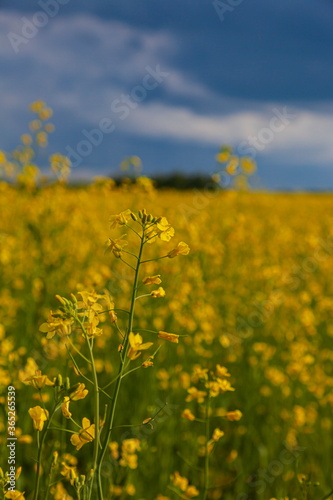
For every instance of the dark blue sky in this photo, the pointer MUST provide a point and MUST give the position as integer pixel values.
(170, 81)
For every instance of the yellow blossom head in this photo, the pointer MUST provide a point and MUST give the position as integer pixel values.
(39, 416)
(86, 434)
(181, 249)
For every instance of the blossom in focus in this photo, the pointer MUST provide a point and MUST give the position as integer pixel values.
(79, 392)
(57, 324)
(65, 408)
(39, 416)
(164, 230)
(136, 345)
(38, 381)
(86, 434)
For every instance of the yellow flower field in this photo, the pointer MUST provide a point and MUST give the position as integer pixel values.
(218, 384)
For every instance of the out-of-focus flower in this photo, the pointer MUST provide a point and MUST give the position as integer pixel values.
(116, 246)
(188, 415)
(234, 416)
(160, 292)
(217, 434)
(152, 280)
(171, 337)
(195, 395)
(15, 495)
(38, 381)
(181, 249)
(120, 219)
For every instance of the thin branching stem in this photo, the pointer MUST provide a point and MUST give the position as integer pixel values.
(112, 409)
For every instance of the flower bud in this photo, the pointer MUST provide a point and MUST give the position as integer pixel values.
(55, 458)
(62, 300)
(74, 299)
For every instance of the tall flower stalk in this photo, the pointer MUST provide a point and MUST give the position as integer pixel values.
(83, 313)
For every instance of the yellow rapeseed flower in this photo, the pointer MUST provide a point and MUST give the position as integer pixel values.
(57, 324)
(191, 492)
(217, 434)
(89, 301)
(180, 481)
(234, 416)
(15, 495)
(181, 249)
(160, 292)
(171, 337)
(136, 345)
(152, 280)
(120, 219)
(116, 246)
(188, 415)
(79, 392)
(221, 371)
(86, 434)
(65, 408)
(164, 230)
(38, 381)
(195, 395)
(39, 416)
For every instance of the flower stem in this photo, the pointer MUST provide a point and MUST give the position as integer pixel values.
(112, 408)
(206, 469)
(96, 404)
(40, 443)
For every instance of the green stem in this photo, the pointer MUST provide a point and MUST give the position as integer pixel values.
(40, 443)
(153, 260)
(112, 410)
(96, 404)
(206, 469)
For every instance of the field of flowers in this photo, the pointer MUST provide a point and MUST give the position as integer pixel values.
(218, 384)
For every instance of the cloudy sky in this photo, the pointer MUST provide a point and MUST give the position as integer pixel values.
(173, 80)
